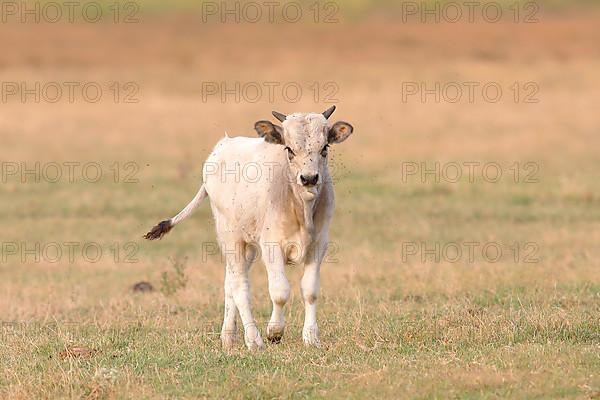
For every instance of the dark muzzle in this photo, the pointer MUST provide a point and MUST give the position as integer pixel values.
(309, 180)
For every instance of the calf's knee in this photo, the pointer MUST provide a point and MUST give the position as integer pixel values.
(310, 289)
(280, 292)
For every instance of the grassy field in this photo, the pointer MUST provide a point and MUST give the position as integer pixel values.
(393, 325)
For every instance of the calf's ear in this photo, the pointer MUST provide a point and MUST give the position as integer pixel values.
(339, 132)
(271, 132)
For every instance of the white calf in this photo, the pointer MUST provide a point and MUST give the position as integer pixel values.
(280, 208)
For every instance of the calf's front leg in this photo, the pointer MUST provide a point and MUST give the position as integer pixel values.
(310, 291)
(279, 290)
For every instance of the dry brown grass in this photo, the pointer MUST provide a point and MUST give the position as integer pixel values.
(392, 329)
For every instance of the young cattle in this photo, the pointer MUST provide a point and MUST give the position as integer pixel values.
(278, 210)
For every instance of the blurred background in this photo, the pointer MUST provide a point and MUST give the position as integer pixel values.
(109, 109)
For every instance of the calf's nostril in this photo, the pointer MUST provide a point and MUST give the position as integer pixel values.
(309, 180)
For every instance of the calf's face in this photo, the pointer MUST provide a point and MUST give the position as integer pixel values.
(305, 137)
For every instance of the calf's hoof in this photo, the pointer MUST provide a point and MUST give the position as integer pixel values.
(275, 333)
(310, 336)
(228, 341)
(253, 340)
(256, 345)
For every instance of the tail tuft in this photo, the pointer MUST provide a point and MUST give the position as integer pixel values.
(159, 230)
(165, 226)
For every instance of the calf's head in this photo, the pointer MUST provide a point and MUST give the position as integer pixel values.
(305, 137)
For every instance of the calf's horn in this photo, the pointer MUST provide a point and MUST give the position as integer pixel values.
(327, 113)
(281, 117)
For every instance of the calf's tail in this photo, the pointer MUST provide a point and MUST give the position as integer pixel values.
(163, 227)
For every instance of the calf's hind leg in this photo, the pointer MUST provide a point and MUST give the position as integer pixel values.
(238, 258)
(228, 331)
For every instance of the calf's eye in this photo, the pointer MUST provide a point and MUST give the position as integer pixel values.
(290, 152)
(324, 151)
